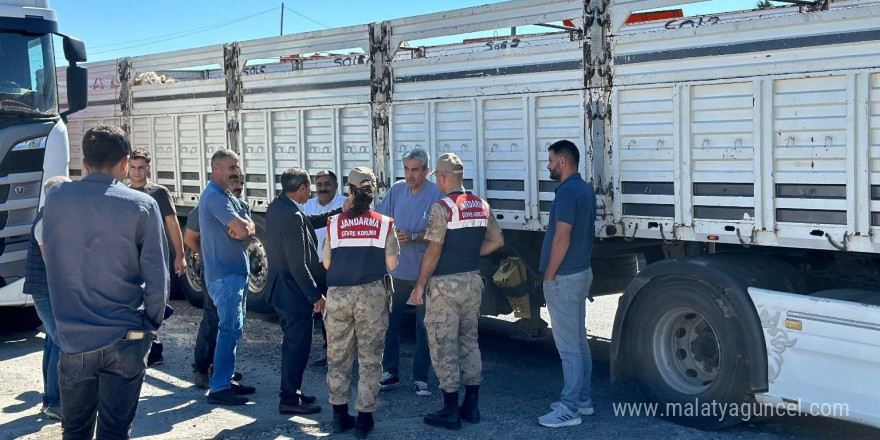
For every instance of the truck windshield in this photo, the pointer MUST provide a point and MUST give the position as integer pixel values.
(27, 75)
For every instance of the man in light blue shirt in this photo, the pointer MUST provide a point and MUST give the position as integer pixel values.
(408, 202)
(225, 227)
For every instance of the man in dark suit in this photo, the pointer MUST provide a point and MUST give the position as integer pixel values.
(295, 284)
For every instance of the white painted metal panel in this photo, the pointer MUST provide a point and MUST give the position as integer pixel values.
(255, 156)
(487, 71)
(355, 141)
(556, 117)
(319, 140)
(189, 145)
(181, 97)
(807, 42)
(337, 85)
(645, 127)
(408, 129)
(506, 161)
(286, 144)
(805, 365)
(166, 157)
(454, 131)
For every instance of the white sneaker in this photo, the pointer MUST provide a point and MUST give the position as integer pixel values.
(585, 409)
(559, 417)
(421, 389)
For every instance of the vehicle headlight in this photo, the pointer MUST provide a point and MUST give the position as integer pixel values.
(31, 144)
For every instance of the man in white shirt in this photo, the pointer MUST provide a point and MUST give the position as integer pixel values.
(327, 185)
(328, 199)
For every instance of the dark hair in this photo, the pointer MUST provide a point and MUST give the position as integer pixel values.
(140, 153)
(104, 146)
(329, 173)
(363, 197)
(221, 154)
(568, 149)
(293, 178)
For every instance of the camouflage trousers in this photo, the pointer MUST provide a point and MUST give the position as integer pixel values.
(451, 316)
(356, 317)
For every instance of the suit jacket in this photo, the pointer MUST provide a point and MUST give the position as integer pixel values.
(296, 278)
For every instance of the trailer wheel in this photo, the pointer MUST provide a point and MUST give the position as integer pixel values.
(191, 281)
(688, 352)
(259, 270)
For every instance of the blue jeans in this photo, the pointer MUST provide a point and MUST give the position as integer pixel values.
(566, 301)
(391, 354)
(105, 383)
(51, 394)
(229, 295)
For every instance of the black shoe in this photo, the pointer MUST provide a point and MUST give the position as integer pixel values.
(364, 424)
(448, 416)
(321, 361)
(302, 408)
(388, 381)
(342, 420)
(306, 399)
(241, 390)
(155, 357)
(469, 409)
(226, 397)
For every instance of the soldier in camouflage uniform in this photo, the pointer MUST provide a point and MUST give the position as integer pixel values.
(461, 228)
(359, 245)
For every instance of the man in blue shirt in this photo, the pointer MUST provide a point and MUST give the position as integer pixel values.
(409, 202)
(565, 261)
(109, 287)
(225, 227)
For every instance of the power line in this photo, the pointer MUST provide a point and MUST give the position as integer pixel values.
(307, 18)
(173, 36)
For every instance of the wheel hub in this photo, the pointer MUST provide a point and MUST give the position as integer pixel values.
(686, 351)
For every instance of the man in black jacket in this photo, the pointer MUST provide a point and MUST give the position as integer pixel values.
(295, 285)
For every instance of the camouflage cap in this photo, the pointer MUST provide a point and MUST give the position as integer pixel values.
(449, 163)
(359, 174)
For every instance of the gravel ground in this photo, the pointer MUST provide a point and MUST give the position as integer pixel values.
(520, 380)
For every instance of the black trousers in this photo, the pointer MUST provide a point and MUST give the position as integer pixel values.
(206, 339)
(295, 347)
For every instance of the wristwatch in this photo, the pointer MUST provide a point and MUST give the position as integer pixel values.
(414, 237)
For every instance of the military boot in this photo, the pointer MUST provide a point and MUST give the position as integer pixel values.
(469, 409)
(364, 424)
(342, 421)
(448, 416)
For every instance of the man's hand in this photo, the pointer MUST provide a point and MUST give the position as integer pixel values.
(319, 306)
(416, 296)
(347, 205)
(180, 265)
(402, 236)
(548, 277)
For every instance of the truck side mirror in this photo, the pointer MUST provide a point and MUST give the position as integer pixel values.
(74, 50)
(77, 89)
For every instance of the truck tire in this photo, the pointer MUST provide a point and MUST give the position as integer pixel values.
(686, 340)
(191, 282)
(19, 319)
(259, 270)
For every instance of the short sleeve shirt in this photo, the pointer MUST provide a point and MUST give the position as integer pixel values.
(192, 221)
(162, 197)
(223, 255)
(437, 224)
(38, 232)
(575, 204)
(410, 213)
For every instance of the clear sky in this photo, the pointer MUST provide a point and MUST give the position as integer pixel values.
(119, 28)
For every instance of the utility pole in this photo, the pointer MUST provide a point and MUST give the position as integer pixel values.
(282, 18)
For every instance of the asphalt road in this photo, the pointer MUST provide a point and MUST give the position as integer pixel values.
(520, 380)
